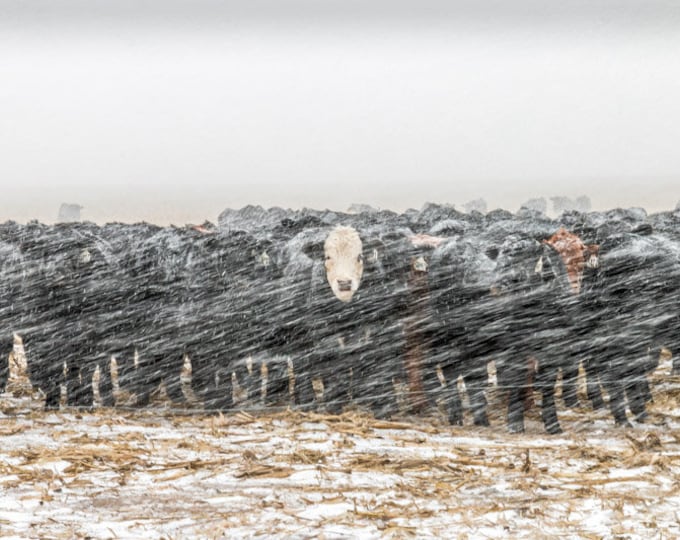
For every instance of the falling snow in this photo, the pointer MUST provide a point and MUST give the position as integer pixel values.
(298, 373)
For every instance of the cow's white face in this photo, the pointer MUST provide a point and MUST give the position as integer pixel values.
(419, 264)
(344, 262)
(592, 255)
(85, 257)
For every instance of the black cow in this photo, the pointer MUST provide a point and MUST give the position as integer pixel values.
(231, 322)
(12, 291)
(347, 333)
(462, 332)
(531, 300)
(46, 318)
(636, 273)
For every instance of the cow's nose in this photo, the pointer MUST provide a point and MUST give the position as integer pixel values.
(345, 285)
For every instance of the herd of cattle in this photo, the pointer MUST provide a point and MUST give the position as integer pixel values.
(322, 309)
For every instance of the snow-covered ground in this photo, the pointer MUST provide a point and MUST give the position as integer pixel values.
(116, 474)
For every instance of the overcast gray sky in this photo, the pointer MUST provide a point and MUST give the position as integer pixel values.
(172, 110)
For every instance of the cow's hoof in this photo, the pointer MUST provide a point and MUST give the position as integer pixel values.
(571, 403)
(455, 420)
(383, 413)
(305, 407)
(516, 427)
(624, 424)
(334, 408)
(641, 417)
(597, 404)
(553, 429)
(482, 421)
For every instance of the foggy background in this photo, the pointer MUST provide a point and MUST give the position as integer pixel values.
(172, 111)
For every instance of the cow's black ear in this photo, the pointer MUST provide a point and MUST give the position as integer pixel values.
(644, 229)
(492, 252)
(393, 236)
(264, 245)
(314, 250)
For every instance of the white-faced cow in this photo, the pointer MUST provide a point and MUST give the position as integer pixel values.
(349, 319)
(344, 262)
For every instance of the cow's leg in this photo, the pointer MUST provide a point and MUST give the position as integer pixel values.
(516, 396)
(513, 377)
(387, 405)
(248, 376)
(546, 379)
(74, 352)
(4, 364)
(46, 368)
(336, 388)
(211, 381)
(254, 381)
(249, 365)
(636, 395)
(305, 398)
(645, 390)
(650, 363)
(53, 385)
(51, 381)
(432, 386)
(211, 377)
(277, 391)
(336, 375)
(73, 386)
(373, 374)
(132, 371)
(242, 373)
(223, 397)
(475, 384)
(304, 369)
(128, 366)
(147, 376)
(593, 389)
(617, 403)
(105, 384)
(202, 375)
(452, 400)
(80, 393)
(383, 400)
(214, 385)
(171, 364)
(569, 383)
(7, 347)
(675, 351)
(83, 354)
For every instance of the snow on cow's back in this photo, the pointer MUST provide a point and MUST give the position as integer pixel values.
(344, 262)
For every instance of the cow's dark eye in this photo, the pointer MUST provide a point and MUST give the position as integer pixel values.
(328, 257)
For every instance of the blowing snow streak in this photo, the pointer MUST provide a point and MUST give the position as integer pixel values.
(323, 310)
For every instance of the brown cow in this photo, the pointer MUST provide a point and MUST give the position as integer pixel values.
(414, 355)
(572, 251)
(576, 257)
(416, 316)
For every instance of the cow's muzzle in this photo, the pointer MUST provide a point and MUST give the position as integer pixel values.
(344, 285)
(420, 264)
